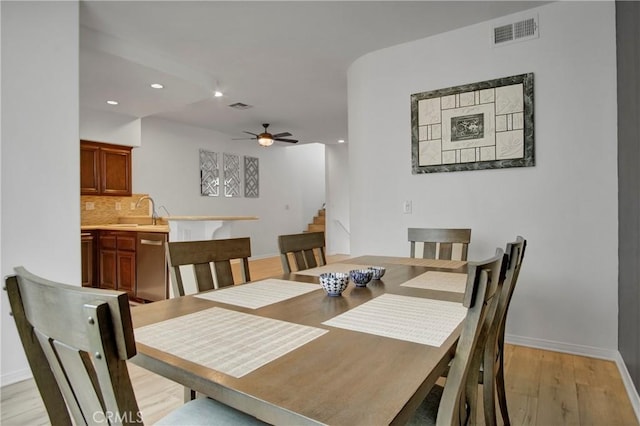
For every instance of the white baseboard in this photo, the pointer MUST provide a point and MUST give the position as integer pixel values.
(15, 376)
(568, 348)
(634, 397)
(590, 351)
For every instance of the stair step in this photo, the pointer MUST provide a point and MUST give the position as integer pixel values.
(321, 212)
(319, 220)
(315, 228)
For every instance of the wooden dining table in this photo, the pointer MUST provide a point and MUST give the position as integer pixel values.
(342, 377)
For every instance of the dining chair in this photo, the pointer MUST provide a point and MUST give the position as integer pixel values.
(77, 341)
(203, 255)
(439, 242)
(306, 249)
(456, 402)
(492, 376)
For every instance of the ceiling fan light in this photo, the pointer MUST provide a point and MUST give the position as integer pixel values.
(265, 140)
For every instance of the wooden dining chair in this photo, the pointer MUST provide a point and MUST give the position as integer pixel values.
(493, 362)
(456, 402)
(205, 256)
(77, 341)
(306, 249)
(439, 242)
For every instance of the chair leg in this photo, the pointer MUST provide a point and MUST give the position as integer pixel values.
(489, 389)
(500, 386)
(500, 390)
(189, 395)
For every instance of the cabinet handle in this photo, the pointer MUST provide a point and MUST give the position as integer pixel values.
(151, 242)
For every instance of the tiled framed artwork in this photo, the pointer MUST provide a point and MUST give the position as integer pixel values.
(231, 166)
(486, 125)
(251, 177)
(209, 174)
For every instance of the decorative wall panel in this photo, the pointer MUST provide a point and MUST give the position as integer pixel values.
(484, 125)
(231, 166)
(209, 174)
(251, 177)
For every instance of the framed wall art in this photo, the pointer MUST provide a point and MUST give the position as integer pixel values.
(486, 125)
(209, 174)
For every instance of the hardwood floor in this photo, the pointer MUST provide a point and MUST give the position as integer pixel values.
(543, 388)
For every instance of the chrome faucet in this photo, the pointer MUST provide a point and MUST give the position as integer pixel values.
(154, 213)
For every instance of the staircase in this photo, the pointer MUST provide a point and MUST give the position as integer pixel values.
(318, 222)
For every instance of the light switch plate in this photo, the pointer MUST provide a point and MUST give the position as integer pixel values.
(407, 207)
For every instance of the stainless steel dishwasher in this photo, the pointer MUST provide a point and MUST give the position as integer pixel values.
(151, 268)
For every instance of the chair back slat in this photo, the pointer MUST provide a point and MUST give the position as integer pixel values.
(306, 249)
(84, 337)
(439, 243)
(459, 399)
(208, 257)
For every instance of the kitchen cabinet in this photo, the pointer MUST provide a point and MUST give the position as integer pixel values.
(105, 169)
(117, 261)
(133, 262)
(88, 246)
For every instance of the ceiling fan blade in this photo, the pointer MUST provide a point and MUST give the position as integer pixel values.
(243, 139)
(281, 135)
(254, 134)
(285, 140)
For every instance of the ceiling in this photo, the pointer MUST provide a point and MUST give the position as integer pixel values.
(288, 60)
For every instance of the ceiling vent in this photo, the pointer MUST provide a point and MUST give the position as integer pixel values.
(240, 105)
(522, 30)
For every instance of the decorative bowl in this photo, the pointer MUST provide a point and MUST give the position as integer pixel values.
(361, 276)
(334, 283)
(378, 271)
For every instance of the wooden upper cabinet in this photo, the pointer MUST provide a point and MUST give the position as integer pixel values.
(105, 169)
(89, 169)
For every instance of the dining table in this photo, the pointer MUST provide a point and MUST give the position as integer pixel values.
(284, 351)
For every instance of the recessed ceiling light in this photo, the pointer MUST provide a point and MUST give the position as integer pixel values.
(112, 102)
(217, 94)
(340, 140)
(157, 86)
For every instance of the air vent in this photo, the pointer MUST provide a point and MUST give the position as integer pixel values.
(240, 105)
(525, 29)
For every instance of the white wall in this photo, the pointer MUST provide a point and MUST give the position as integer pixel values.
(292, 186)
(337, 220)
(40, 160)
(566, 206)
(102, 126)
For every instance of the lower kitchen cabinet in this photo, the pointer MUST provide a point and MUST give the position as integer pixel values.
(117, 260)
(88, 248)
(133, 262)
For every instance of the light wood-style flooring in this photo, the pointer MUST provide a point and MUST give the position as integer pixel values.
(543, 388)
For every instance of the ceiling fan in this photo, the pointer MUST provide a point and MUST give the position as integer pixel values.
(266, 139)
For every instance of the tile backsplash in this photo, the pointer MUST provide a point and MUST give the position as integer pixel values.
(101, 210)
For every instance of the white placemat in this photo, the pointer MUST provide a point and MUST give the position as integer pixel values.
(433, 263)
(233, 343)
(334, 267)
(436, 280)
(260, 293)
(425, 321)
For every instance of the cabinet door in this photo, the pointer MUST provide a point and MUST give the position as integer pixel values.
(116, 171)
(127, 272)
(89, 169)
(87, 248)
(108, 271)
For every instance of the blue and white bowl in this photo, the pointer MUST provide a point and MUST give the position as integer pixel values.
(334, 283)
(378, 271)
(361, 276)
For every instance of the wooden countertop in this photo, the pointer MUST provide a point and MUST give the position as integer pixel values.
(126, 227)
(209, 218)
